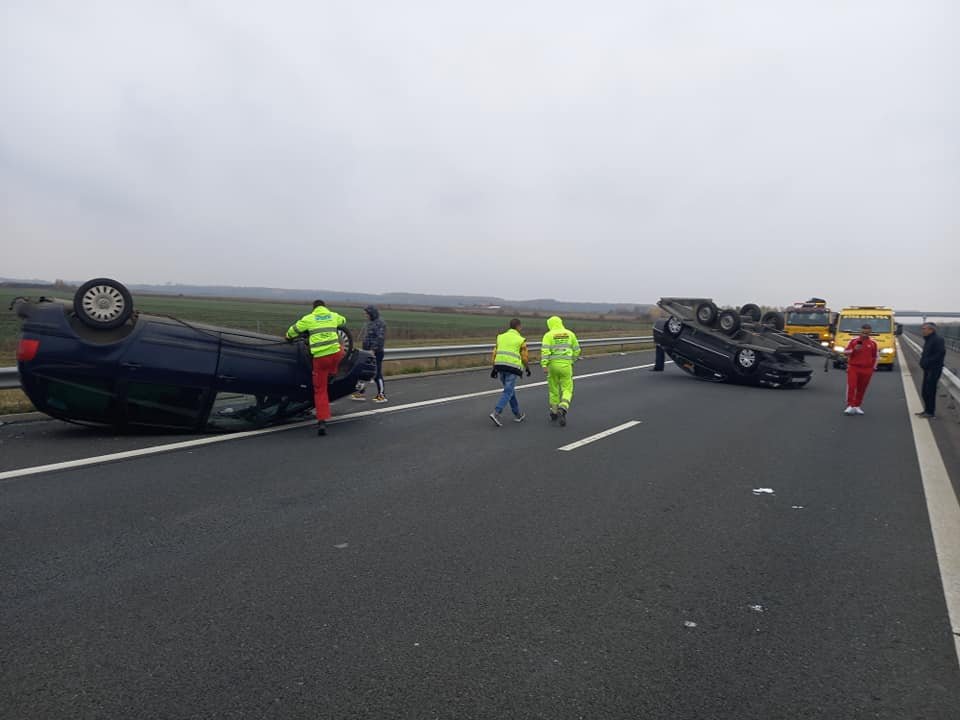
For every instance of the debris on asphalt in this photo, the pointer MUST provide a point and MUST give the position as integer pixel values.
(763, 491)
(340, 546)
(689, 623)
(796, 507)
(756, 608)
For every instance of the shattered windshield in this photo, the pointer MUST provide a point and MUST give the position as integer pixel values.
(232, 412)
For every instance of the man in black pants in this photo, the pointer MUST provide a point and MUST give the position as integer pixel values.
(374, 339)
(934, 353)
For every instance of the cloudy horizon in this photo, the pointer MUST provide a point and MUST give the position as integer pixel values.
(752, 152)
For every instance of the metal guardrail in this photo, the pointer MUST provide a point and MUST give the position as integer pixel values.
(10, 378)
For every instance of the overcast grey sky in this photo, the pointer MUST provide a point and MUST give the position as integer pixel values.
(752, 150)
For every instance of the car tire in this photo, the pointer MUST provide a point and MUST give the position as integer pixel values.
(745, 361)
(707, 314)
(751, 311)
(103, 303)
(773, 319)
(346, 340)
(729, 322)
(673, 326)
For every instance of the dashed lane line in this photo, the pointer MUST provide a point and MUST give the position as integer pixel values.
(600, 435)
(170, 447)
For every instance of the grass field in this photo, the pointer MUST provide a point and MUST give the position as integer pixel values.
(405, 327)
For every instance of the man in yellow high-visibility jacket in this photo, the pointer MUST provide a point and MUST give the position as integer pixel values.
(510, 359)
(321, 324)
(560, 350)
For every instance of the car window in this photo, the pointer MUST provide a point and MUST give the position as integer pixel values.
(235, 411)
(164, 405)
(79, 397)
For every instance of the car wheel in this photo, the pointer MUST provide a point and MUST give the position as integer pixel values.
(673, 326)
(745, 361)
(103, 303)
(346, 340)
(729, 322)
(773, 319)
(751, 311)
(707, 314)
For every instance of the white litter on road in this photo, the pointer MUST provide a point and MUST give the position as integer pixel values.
(796, 507)
(757, 608)
(689, 623)
(341, 546)
(763, 491)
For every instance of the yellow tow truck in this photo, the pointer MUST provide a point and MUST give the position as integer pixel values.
(812, 319)
(883, 330)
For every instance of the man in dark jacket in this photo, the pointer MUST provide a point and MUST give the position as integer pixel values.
(931, 360)
(374, 339)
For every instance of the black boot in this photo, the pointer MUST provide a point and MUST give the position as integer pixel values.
(321, 428)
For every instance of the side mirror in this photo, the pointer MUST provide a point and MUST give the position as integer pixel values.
(897, 329)
(833, 328)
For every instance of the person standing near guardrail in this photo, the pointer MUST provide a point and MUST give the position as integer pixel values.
(862, 357)
(374, 340)
(931, 360)
(559, 351)
(510, 359)
(320, 325)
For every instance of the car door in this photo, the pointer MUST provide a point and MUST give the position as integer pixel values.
(263, 365)
(166, 374)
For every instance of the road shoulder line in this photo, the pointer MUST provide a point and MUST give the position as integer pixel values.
(942, 506)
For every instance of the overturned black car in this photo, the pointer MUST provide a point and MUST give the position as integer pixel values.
(740, 346)
(98, 361)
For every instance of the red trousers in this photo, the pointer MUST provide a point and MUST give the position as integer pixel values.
(323, 368)
(857, 380)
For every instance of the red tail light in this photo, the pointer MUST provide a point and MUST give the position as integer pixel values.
(27, 350)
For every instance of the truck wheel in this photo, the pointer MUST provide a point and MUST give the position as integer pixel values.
(707, 313)
(773, 319)
(729, 322)
(745, 361)
(103, 303)
(751, 311)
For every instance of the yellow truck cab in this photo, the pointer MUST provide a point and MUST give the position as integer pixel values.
(811, 319)
(883, 331)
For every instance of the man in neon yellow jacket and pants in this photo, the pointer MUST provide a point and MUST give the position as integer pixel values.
(320, 326)
(559, 351)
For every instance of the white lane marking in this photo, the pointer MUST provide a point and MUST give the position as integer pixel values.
(942, 506)
(600, 435)
(157, 449)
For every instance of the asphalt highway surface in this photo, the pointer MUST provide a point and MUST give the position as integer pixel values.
(735, 553)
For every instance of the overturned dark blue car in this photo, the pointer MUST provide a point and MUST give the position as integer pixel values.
(98, 361)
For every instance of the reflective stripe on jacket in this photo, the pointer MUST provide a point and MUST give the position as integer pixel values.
(559, 344)
(510, 354)
(321, 325)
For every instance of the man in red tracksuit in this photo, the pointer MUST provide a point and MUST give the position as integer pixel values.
(861, 355)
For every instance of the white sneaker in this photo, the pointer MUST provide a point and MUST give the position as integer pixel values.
(496, 419)
(858, 410)
(849, 411)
